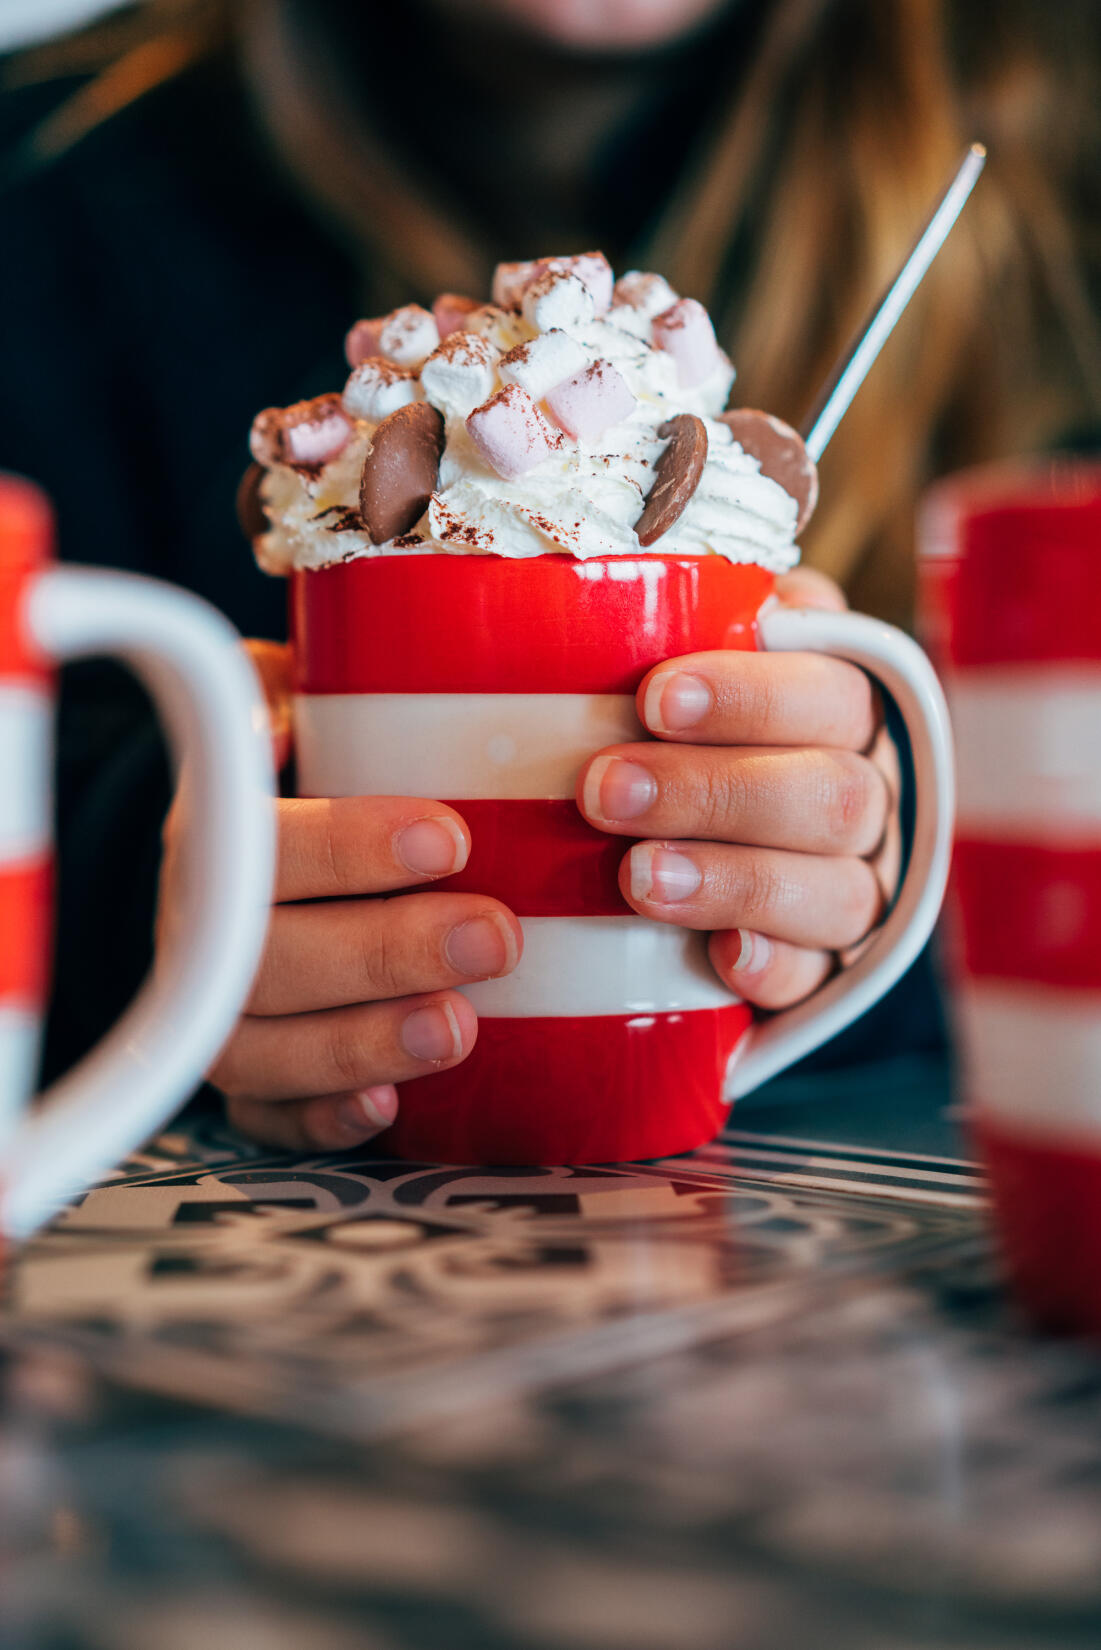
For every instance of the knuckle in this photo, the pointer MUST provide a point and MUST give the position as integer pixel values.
(336, 857)
(754, 699)
(343, 1053)
(385, 944)
(763, 887)
(852, 794)
(768, 706)
(719, 795)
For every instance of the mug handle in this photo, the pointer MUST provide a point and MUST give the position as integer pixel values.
(903, 669)
(208, 696)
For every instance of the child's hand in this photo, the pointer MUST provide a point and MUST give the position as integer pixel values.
(770, 802)
(353, 994)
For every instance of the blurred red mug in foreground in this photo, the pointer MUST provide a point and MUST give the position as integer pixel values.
(487, 682)
(1012, 596)
(209, 701)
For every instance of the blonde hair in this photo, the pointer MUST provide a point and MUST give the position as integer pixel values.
(854, 116)
(794, 212)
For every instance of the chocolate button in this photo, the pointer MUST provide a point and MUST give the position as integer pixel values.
(251, 516)
(676, 476)
(401, 470)
(781, 453)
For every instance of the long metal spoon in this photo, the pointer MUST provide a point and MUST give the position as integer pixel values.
(852, 369)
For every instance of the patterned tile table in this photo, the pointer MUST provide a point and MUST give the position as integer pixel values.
(766, 1395)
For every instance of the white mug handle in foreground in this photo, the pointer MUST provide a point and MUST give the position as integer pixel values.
(896, 661)
(209, 699)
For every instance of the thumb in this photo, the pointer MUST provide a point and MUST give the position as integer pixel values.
(272, 663)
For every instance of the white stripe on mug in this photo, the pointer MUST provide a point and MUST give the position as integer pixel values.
(1033, 1057)
(20, 1029)
(603, 965)
(26, 734)
(1030, 751)
(508, 746)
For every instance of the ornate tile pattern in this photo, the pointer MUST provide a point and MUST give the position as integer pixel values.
(768, 1395)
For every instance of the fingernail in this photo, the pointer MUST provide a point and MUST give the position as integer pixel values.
(755, 954)
(432, 1033)
(481, 948)
(662, 874)
(374, 1109)
(675, 701)
(431, 847)
(380, 1104)
(616, 789)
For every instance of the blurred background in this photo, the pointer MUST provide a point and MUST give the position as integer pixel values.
(199, 195)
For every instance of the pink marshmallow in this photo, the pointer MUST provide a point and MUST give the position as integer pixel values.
(406, 336)
(591, 401)
(511, 280)
(511, 433)
(593, 270)
(363, 341)
(318, 440)
(308, 434)
(451, 310)
(685, 332)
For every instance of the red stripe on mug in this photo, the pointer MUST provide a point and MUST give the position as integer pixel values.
(1048, 1203)
(1030, 912)
(483, 624)
(642, 1097)
(1022, 584)
(20, 658)
(25, 890)
(26, 526)
(26, 538)
(542, 859)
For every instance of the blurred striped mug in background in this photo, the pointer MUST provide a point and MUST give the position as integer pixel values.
(210, 703)
(487, 683)
(1011, 589)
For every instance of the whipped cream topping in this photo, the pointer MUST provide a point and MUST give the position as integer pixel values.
(585, 495)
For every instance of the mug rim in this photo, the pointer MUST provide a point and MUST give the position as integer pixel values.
(1033, 491)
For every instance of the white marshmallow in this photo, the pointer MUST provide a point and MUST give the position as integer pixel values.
(409, 335)
(542, 362)
(461, 374)
(377, 388)
(649, 294)
(594, 271)
(496, 324)
(558, 299)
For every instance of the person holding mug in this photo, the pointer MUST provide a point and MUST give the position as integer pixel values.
(787, 777)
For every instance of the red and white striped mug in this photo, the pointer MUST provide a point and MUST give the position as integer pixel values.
(486, 683)
(1011, 582)
(209, 698)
